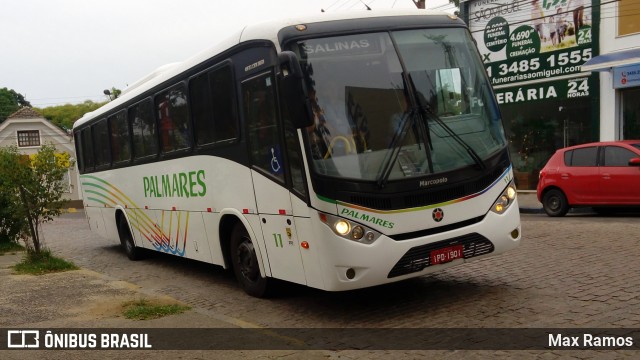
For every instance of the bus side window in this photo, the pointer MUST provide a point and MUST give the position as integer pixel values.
(213, 106)
(101, 144)
(172, 111)
(144, 129)
(78, 145)
(259, 111)
(87, 149)
(120, 147)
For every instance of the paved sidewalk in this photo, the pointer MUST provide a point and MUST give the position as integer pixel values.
(87, 299)
(528, 202)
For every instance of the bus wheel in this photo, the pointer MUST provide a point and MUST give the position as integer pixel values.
(555, 203)
(245, 263)
(126, 240)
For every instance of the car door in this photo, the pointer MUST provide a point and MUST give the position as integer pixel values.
(619, 181)
(580, 178)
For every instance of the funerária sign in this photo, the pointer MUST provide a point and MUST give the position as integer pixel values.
(531, 39)
(560, 89)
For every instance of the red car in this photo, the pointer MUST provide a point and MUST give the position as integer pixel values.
(601, 175)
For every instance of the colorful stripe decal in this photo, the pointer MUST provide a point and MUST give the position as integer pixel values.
(432, 206)
(107, 195)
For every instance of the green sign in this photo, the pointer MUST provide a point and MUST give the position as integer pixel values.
(528, 40)
(559, 89)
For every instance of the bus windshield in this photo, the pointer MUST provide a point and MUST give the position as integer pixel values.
(393, 105)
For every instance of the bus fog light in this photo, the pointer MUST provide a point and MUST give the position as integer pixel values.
(515, 233)
(350, 274)
(342, 227)
(357, 232)
(370, 237)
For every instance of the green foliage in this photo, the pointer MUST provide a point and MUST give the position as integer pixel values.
(10, 102)
(10, 247)
(42, 263)
(35, 187)
(145, 310)
(11, 222)
(65, 115)
(113, 93)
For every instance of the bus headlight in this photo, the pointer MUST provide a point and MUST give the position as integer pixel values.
(342, 227)
(349, 230)
(505, 199)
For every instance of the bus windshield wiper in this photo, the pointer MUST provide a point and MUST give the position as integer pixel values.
(472, 153)
(408, 118)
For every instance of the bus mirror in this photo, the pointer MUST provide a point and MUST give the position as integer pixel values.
(293, 92)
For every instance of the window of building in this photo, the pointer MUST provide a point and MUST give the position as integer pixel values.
(143, 129)
(631, 113)
(213, 106)
(538, 127)
(628, 17)
(28, 138)
(173, 115)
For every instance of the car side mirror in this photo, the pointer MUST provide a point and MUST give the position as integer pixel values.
(634, 162)
(292, 90)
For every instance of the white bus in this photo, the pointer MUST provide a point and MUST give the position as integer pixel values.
(339, 152)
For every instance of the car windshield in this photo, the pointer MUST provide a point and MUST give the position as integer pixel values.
(399, 104)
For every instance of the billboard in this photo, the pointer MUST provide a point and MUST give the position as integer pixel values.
(524, 40)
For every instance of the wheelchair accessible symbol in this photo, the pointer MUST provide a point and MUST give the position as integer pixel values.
(275, 161)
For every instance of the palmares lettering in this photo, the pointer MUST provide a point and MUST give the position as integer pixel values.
(368, 218)
(182, 184)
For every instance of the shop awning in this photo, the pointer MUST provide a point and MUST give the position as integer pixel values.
(606, 61)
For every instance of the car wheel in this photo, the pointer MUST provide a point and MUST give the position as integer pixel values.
(126, 240)
(245, 263)
(555, 203)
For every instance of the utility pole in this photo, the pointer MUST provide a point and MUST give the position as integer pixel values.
(419, 3)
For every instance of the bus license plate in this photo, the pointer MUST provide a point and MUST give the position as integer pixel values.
(447, 254)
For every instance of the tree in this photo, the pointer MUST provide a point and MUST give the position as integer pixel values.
(64, 116)
(36, 183)
(10, 102)
(11, 223)
(113, 93)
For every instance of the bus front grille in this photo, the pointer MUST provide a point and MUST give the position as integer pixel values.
(419, 257)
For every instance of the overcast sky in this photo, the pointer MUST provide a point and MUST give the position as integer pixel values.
(67, 51)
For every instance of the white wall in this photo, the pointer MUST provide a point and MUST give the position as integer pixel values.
(610, 103)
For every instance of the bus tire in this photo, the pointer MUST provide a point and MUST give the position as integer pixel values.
(245, 263)
(554, 203)
(126, 240)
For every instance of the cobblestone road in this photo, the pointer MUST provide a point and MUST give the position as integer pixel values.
(578, 271)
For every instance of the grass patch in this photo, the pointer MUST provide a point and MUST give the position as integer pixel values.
(146, 310)
(42, 263)
(10, 247)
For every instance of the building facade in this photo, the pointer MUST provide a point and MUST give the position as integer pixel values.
(618, 67)
(28, 130)
(533, 51)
